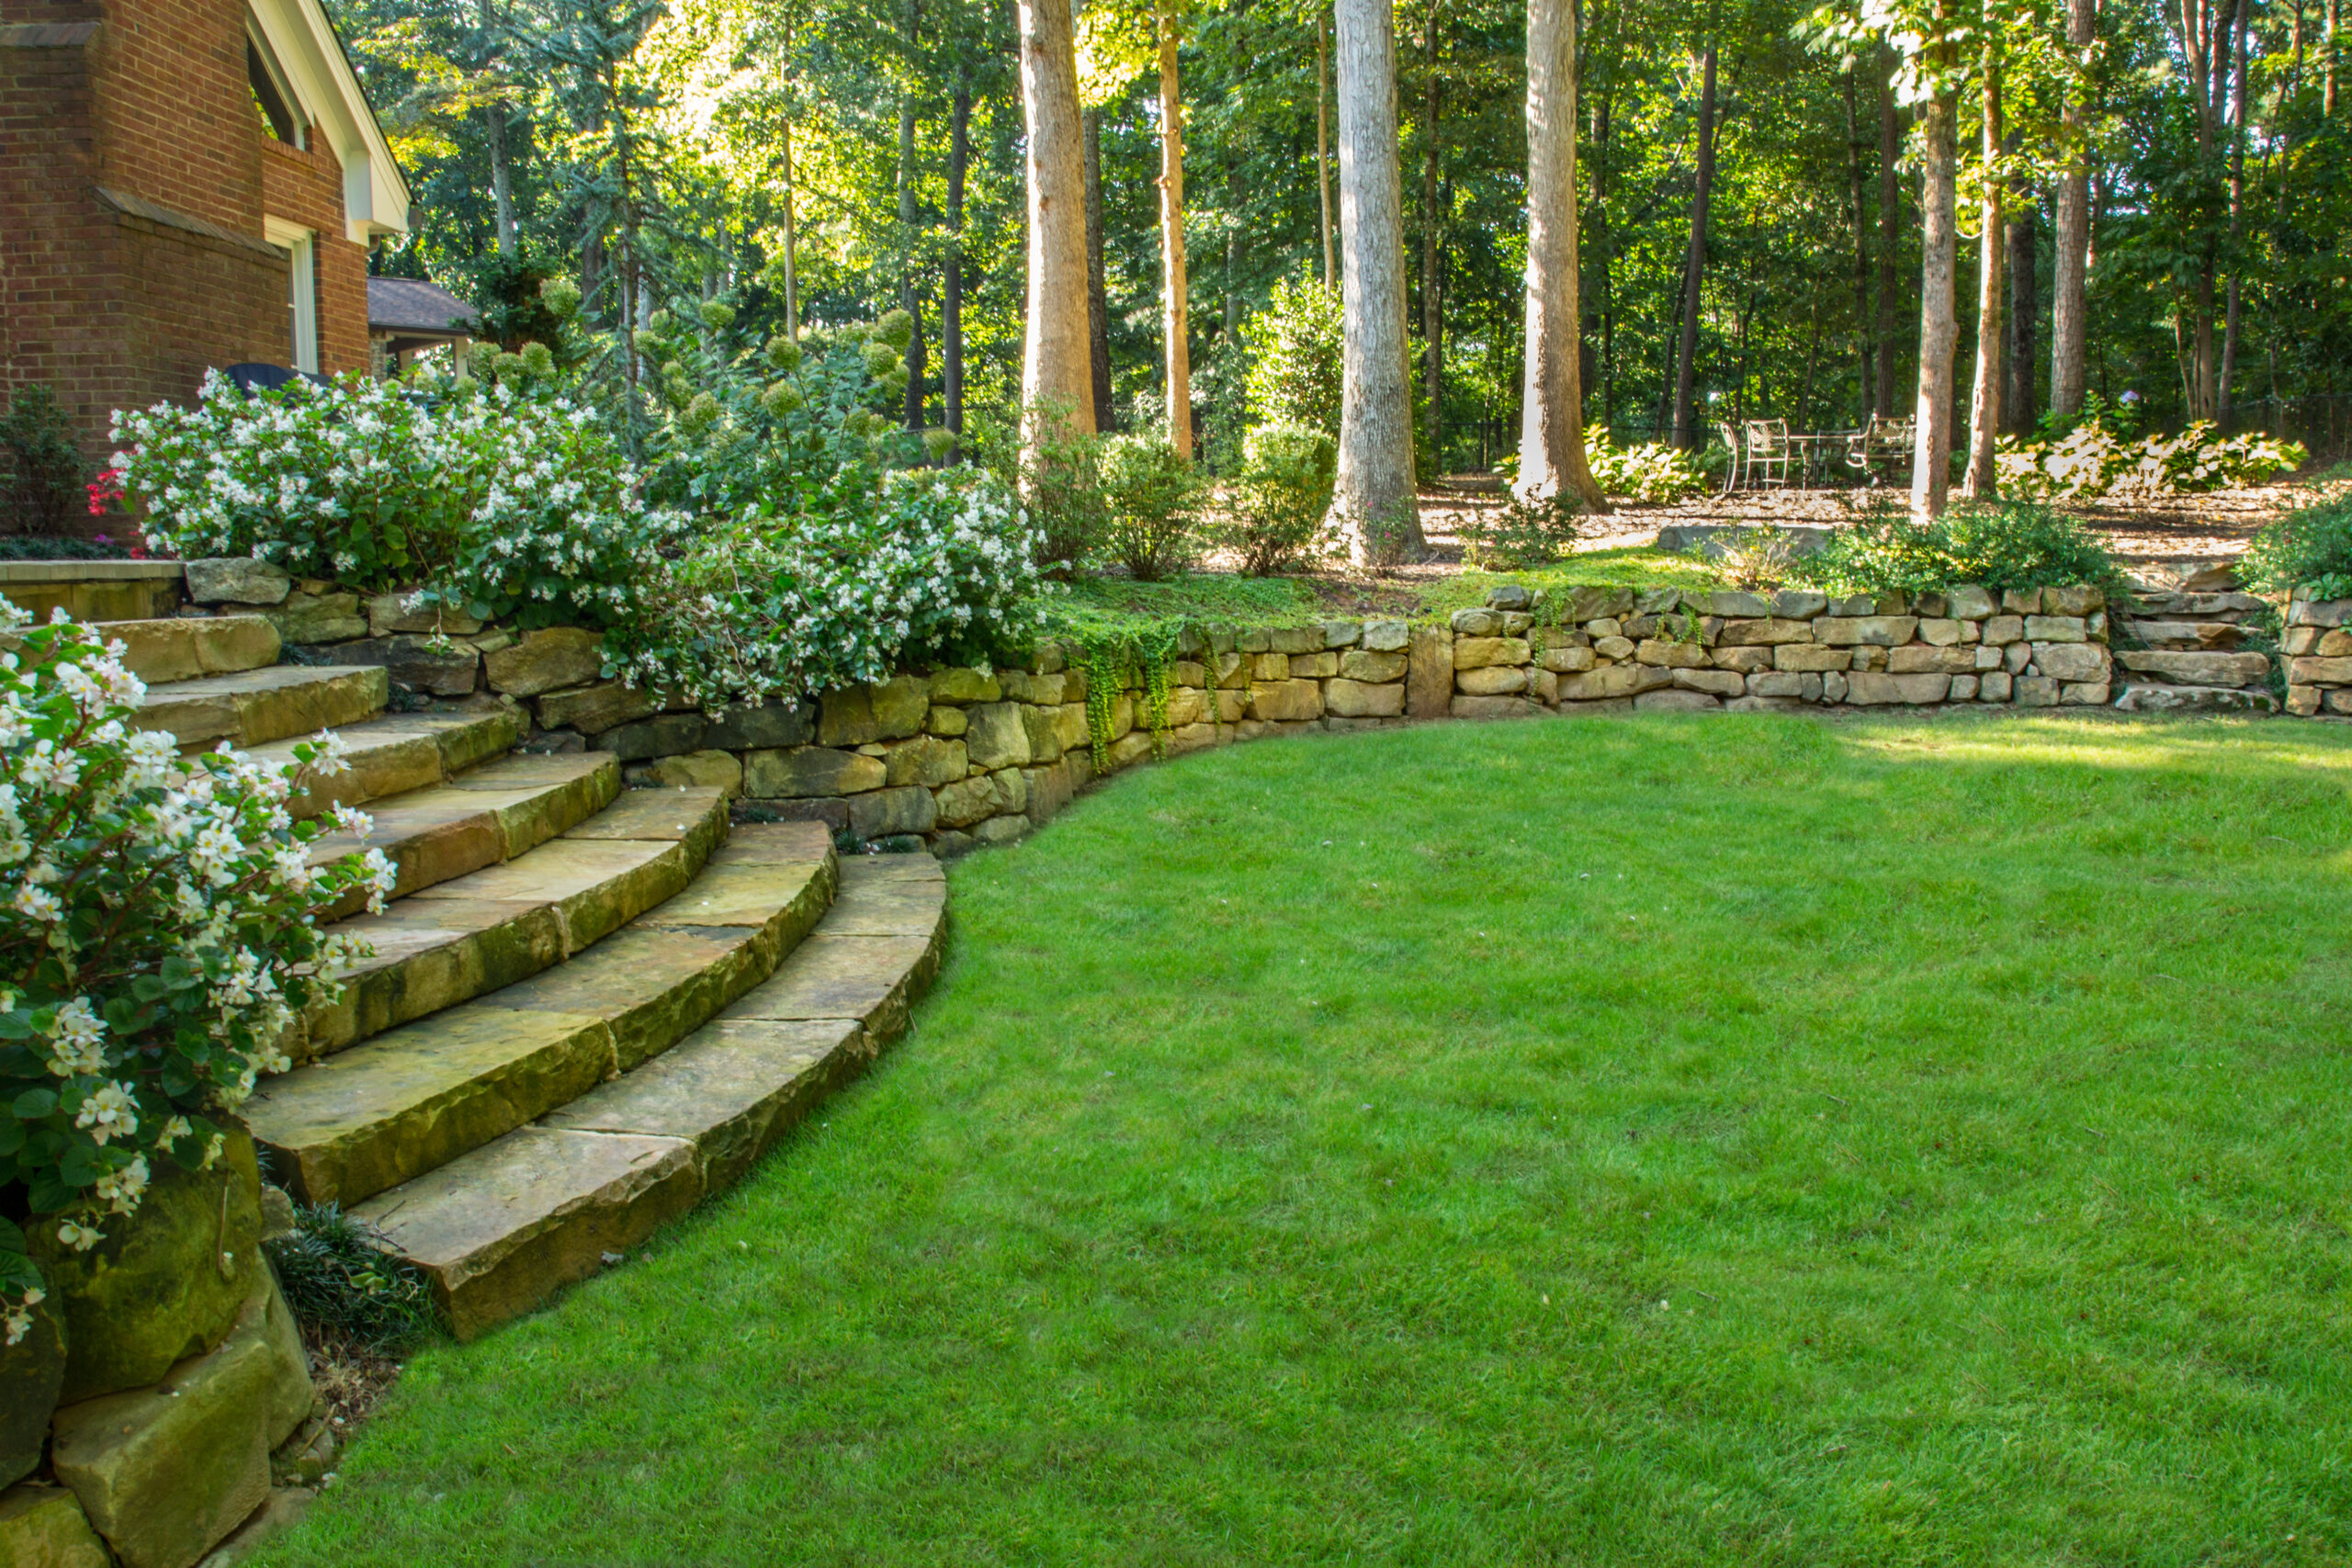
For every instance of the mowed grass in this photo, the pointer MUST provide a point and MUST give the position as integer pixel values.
(1711, 1141)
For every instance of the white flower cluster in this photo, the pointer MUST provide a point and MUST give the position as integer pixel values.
(490, 496)
(158, 935)
(933, 561)
(2089, 464)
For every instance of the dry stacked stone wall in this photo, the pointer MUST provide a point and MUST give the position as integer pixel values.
(2318, 649)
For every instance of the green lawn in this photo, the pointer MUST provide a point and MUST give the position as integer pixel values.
(1706, 1141)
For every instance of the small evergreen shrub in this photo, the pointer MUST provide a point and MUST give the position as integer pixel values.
(1525, 531)
(1999, 545)
(47, 478)
(2311, 548)
(1277, 508)
(1151, 499)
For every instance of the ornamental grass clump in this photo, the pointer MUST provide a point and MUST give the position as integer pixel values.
(159, 929)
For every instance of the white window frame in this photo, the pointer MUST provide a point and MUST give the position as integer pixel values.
(302, 248)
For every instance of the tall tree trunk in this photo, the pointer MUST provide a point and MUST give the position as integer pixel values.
(2069, 305)
(1890, 239)
(1175, 315)
(1057, 374)
(1694, 265)
(1861, 249)
(2225, 387)
(951, 299)
(2017, 400)
(791, 240)
(1552, 458)
(1098, 304)
(2327, 78)
(1323, 137)
(1985, 398)
(502, 188)
(908, 300)
(1433, 317)
(1939, 318)
(1602, 244)
(1376, 508)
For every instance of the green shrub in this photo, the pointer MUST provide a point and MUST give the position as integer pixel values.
(1059, 480)
(1277, 508)
(1998, 545)
(1152, 498)
(1295, 379)
(343, 1283)
(1653, 471)
(46, 473)
(1525, 531)
(2309, 548)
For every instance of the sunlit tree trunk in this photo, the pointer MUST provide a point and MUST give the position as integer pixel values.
(1694, 265)
(1323, 137)
(1985, 398)
(2225, 383)
(1432, 252)
(494, 115)
(1551, 433)
(1374, 502)
(1938, 319)
(1057, 372)
(2069, 306)
(1175, 315)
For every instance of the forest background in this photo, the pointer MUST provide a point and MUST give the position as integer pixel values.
(823, 161)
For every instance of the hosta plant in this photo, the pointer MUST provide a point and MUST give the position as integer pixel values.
(159, 928)
(2091, 463)
(1652, 471)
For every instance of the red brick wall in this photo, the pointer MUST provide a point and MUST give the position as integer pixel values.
(117, 309)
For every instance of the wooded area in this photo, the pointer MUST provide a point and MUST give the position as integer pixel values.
(1651, 217)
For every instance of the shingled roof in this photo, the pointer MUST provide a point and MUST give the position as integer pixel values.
(412, 305)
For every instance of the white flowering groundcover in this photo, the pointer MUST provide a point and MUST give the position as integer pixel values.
(159, 929)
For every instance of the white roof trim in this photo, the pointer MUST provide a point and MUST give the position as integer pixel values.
(375, 193)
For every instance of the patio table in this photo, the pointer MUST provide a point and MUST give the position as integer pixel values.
(1815, 458)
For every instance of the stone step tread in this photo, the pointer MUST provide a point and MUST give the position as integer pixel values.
(188, 649)
(415, 1098)
(450, 941)
(502, 1228)
(2151, 696)
(482, 818)
(278, 702)
(395, 752)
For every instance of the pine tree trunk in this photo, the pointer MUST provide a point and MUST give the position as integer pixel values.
(1098, 305)
(1551, 435)
(1374, 502)
(2225, 385)
(1890, 243)
(1323, 140)
(1057, 372)
(1939, 318)
(1433, 251)
(1694, 265)
(1858, 185)
(1985, 398)
(2069, 307)
(2016, 401)
(502, 188)
(951, 302)
(1175, 314)
(909, 301)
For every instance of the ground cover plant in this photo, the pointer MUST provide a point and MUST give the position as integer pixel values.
(1731, 1141)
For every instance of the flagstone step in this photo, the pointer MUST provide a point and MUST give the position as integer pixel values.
(416, 1098)
(251, 707)
(395, 752)
(454, 941)
(178, 650)
(485, 817)
(503, 1227)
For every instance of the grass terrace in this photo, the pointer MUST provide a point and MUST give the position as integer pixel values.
(1757, 1141)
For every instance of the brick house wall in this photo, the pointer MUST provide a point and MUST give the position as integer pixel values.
(136, 175)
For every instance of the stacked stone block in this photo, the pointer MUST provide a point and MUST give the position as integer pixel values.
(2188, 651)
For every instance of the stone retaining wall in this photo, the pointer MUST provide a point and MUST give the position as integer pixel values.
(2318, 650)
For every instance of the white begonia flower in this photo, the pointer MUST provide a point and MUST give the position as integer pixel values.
(78, 1038)
(108, 1113)
(120, 1189)
(78, 1236)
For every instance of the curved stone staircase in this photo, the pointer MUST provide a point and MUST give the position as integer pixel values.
(589, 1006)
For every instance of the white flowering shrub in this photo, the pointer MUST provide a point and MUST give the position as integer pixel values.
(1653, 471)
(928, 563)
(158, 930)
(499, 499)
(2091, 463)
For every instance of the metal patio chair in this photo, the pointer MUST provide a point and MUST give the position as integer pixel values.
(1770, 454)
